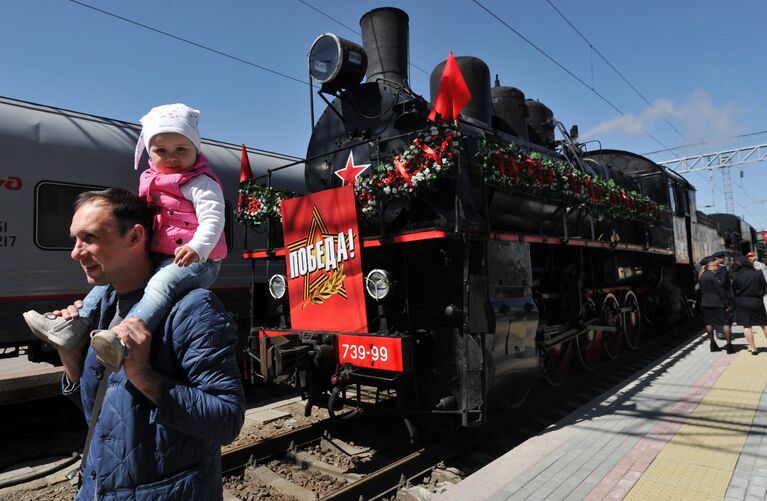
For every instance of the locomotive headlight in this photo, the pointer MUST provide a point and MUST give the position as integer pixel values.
(278, 286)
(336, 62)
(378, 284)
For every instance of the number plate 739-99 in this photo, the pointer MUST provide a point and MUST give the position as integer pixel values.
(370, 352)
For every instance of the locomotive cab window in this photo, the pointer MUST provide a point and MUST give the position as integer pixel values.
(53, 213)
(678, 194)
(653, 186)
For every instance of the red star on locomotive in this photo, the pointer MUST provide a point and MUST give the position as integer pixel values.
(351, 172)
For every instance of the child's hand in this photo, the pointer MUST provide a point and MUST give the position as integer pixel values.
(185, 256)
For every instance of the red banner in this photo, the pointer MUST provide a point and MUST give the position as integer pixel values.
(324, 261)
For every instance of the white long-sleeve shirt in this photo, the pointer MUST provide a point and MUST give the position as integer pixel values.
(208, 200)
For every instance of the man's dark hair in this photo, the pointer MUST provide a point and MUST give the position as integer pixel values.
(127, 208)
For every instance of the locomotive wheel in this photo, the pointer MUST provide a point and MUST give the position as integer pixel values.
(632, 319)
(612, 316)
(589, 347)
(557, 362)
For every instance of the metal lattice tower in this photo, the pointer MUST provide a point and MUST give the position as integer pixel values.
(720, 160)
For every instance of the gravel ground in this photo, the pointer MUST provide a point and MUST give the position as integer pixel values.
(55, 488)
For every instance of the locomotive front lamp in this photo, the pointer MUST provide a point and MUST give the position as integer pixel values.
(336, 63)
(278, 286)
(378, 284)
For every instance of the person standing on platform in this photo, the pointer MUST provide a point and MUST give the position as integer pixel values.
(749, 287)
(758, 266)
(724, 277)
(715, 303)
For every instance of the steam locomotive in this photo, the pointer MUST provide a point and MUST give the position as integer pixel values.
(452, 262)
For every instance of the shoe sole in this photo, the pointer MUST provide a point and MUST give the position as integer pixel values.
(43, 335)
(99, 344)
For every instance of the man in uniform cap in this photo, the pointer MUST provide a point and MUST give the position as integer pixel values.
(715, 302)
(724, 278)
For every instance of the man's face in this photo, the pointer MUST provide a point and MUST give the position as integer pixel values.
(751, 259)
(98, 245)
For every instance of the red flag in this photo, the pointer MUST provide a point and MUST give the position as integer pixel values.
(453, 93)
(245, 172)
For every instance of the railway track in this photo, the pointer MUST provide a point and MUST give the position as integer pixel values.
(334, 459)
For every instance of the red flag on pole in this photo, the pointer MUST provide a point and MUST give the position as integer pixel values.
(453, 93)
(245, 171)
(245, 174)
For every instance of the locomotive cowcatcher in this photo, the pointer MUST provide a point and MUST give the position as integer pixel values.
(452, 260)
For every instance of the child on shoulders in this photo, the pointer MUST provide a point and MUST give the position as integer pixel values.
(187, 234)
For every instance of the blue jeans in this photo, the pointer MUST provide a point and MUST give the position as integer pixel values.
(168, 283)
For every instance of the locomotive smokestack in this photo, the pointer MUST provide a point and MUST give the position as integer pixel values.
(385, 34)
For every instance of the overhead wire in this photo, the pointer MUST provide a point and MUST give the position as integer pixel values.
(642, 96)
(585, 84)
(596, 51)
(710, 141)
(298, 80)
(190, 42)
(562, 67)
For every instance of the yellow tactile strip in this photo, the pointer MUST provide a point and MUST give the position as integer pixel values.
(698, 462)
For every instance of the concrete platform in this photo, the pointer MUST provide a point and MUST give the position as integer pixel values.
(692, 427)
(21, 379)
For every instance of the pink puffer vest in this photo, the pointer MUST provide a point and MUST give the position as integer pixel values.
(175, 221)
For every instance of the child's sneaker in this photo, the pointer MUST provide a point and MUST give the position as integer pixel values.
(109, 349)
(63, 334)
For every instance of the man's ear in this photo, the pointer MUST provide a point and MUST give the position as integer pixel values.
(137, 234)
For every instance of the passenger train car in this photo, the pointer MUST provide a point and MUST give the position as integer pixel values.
(452, 261)
(49, 155)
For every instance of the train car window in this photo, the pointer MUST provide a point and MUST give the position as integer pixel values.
(53, 213)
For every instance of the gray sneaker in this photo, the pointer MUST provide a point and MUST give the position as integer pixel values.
(109, 349)
(63, 334)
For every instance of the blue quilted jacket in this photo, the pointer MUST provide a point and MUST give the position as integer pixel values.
(140, 451)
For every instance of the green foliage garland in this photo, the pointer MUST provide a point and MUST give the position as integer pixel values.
(257, 203)
(430, 156)
(516, 169)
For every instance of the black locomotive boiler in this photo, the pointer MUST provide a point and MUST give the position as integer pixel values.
(491, 253)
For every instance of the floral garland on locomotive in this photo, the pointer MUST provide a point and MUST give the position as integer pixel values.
(432, 155)
(514, 168)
